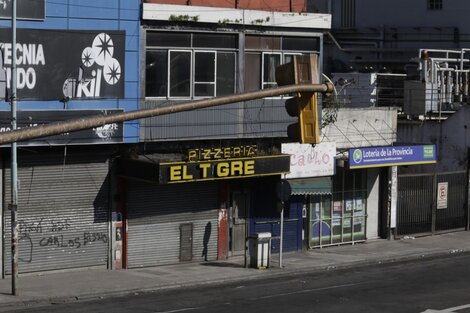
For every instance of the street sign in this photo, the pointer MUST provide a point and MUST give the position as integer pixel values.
(284, 190)
(391, 156)
(442, 193)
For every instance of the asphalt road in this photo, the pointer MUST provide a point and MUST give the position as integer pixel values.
(439, 285)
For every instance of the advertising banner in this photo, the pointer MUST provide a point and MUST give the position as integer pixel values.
(25, 9)
(310, 161)
(391, 156)
(65, 64)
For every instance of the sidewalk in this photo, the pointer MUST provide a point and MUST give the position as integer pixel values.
(98, 283)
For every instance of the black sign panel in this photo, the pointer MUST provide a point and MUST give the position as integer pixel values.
(110, 133)
(283, 190)
(180, 172)
(25, 9)
(58, 64)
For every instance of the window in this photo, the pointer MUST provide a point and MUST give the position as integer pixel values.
(178, 67)
(156, 73)
(260, 68)
(270, 62)
(301, 43)
(435, 4)
(168, 39)
(211, 40)
(180, 74)
(265, 53)
(252, 71)
(263, 42)
(204, 74)
(225, 73)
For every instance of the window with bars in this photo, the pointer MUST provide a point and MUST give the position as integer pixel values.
(434, 4)
(348, 13)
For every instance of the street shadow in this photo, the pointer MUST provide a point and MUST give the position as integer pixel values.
(223, 264)
(205, 241)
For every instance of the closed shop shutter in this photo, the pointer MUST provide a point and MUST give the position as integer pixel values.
(156, 215)
(62, 212)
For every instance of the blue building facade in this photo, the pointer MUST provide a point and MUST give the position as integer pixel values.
(75, 58)
(70, 20)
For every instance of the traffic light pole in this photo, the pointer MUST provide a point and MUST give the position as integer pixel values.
(100, 120)
(281, 234)
(13, 206)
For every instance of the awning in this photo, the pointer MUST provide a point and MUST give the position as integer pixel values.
(311, 186)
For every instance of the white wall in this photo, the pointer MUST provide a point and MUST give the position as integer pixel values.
(357, 127)
(373, 204)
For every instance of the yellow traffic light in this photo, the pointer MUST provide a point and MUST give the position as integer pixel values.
(302, 70)
(304, 106)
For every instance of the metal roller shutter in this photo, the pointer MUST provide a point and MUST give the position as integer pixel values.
(155, 215)
(62, 212)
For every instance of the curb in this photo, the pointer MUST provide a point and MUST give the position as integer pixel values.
(277, 273)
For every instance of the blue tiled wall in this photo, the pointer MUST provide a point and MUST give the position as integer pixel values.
(94, 15)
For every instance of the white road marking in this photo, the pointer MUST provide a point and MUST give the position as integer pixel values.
(449, 310)
(306, 291)
(180, 310)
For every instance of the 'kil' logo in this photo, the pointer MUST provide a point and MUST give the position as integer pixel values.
(105, 66)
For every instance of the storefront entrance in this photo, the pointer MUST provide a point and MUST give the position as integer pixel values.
(238, 229)
(339, 217)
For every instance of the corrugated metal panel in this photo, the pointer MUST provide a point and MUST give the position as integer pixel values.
(250, 119)
(417, 203)
(186, 242)
(454, 216)
(414, 205)
(155, 213)
(62, 212)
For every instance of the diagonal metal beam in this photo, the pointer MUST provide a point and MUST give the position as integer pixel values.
(100, 120)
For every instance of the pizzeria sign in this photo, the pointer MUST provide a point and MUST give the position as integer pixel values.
(223, 163)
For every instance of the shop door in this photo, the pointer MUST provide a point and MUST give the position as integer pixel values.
(238, 225)
(186, 242)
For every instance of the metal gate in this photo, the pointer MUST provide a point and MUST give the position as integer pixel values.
(156, 215)
(418, 211)
(62, 211)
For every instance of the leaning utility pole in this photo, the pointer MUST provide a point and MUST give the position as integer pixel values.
(14, 165)
(100, 120)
